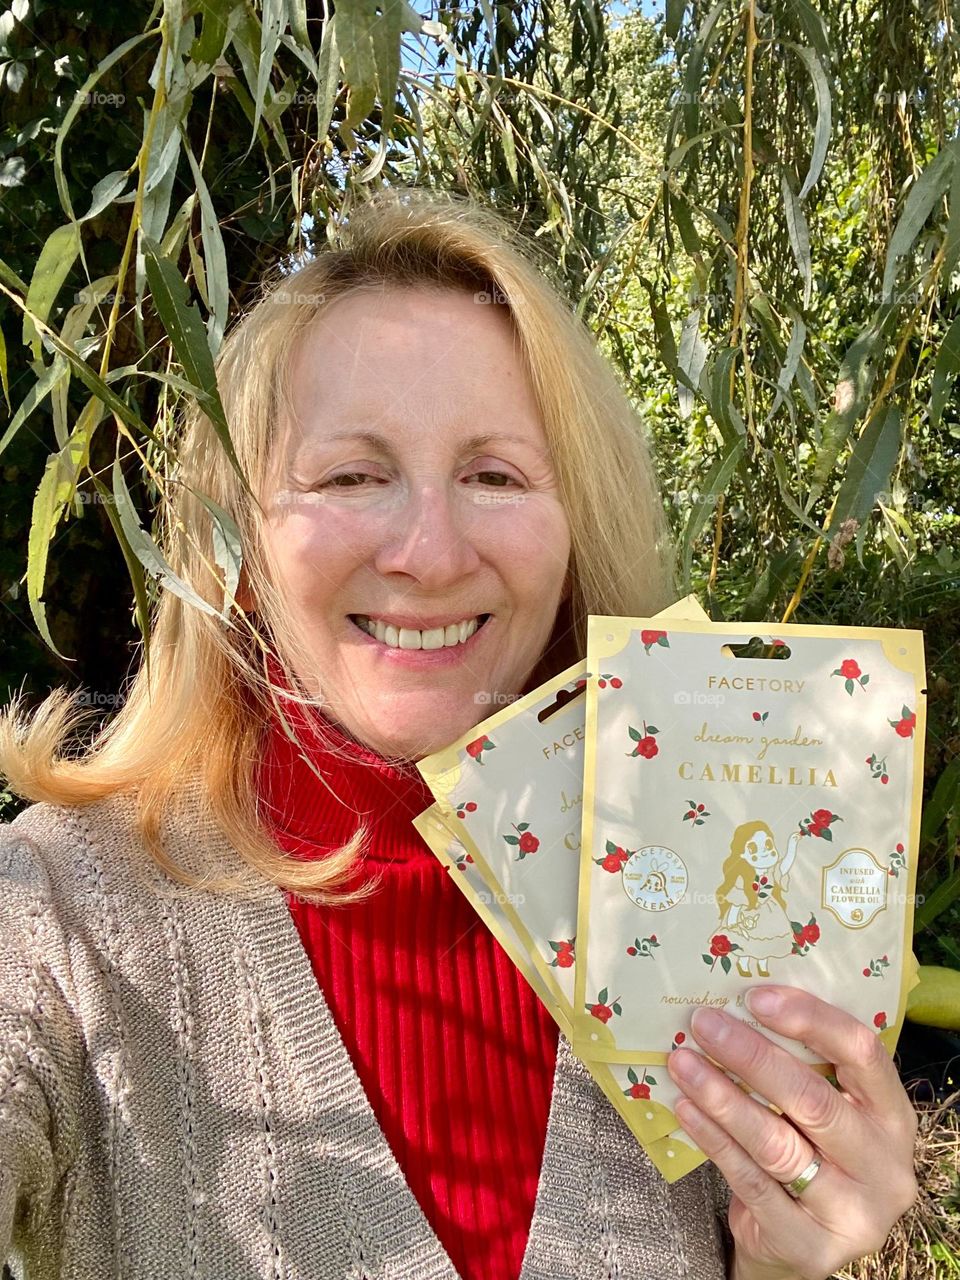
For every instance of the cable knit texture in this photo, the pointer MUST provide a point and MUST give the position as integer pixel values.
(453, 1048)
(176, 1099)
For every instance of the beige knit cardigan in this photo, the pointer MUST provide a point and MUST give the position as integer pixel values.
(176, 1100)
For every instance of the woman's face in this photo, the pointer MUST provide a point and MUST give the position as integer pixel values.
(414, 492)
(760, 850)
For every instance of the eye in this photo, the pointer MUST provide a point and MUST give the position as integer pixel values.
(498, 480)
(345, 480)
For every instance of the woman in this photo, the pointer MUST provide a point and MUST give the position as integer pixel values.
(209, 1076)
(751, 896)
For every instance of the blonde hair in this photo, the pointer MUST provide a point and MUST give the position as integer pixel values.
(736, 867)
(201, 709)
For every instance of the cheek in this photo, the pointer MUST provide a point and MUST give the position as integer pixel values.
(316, 546)
(529, 543)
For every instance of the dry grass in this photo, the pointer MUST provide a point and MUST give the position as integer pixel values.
(925, 1243)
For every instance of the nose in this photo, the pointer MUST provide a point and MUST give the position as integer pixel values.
(427, 541)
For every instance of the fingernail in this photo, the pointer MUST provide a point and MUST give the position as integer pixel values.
(709, 1023)
(687, 1064)
(762, 1000)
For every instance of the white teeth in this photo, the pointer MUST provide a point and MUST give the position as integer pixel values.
(411, 638)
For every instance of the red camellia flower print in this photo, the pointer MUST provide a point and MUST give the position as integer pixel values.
(818, 824)
(646, 744)
(720, 945)
(602, 1010)
(614, 857)
(563, 954)
(849, 671)
(649, 638)
(476, 748)
(524, 839)
(880, 1021)
(805, 936)
(905, 725)
(639, 1088)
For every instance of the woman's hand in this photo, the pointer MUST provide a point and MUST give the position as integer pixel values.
(863, 1133)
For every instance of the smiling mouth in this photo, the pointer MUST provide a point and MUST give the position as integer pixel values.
(447, 637)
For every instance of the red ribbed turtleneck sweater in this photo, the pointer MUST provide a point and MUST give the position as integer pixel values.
(454, 1051)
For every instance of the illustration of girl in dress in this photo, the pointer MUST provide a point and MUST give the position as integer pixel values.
(751, 897)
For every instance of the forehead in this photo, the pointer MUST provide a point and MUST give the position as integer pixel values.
(412, 360)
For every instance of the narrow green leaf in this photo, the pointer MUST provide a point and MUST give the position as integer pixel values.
(944, 372)
(798, 234)
(181, 319)
(857, 370)
(270, 27)
(54, 492)
(146, 550)
(297, 17)
(227, 550)
(715, 484)
(53, 266)
(691, 358)
(675, 12)
(386, 33)
(924, 195)
(693, 70)
(49, 379)
(722, 408)
(134, 567)
(328, 79)
(814, 27)
(952, 249)
(215, 258)
(869, 467)
(105, 192)
(821, 133)
(355, 19)
(509, 148)
(4, 377)
(791, 363)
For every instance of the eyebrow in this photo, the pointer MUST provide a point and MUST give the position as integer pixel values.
(382, 445)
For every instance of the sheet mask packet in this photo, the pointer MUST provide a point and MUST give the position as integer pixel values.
(510, 791)
(673, 1155)
(751, 813)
